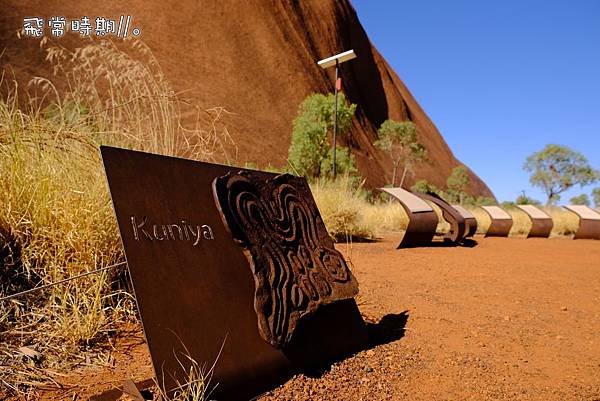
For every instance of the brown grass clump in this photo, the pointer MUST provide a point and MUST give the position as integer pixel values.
(56, 219)
(387, 215)
(342, 204)
(443, 226)
(483, 220)
(565, 223)
(521, 222)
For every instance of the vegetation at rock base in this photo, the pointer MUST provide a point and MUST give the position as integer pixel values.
(457, 184)
(399, 140)
(526, 200)
(310, 153)
(425, 186)
(457, 193)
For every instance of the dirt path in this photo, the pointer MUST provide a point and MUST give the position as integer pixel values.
(508, 319)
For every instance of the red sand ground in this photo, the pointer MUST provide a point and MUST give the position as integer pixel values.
(509, 319)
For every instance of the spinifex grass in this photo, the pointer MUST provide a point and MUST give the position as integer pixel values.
(56, 219)
(195, 385)
(342, 203)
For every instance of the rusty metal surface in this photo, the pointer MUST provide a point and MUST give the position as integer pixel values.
(588, 229)
(499, 226)
(540, 228)
(458, 229)
(541, 222)
(295, 265)
(194, 286)
(470, 220)
(421, 222)
(589, 222)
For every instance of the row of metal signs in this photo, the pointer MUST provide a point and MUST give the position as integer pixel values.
(423, 219)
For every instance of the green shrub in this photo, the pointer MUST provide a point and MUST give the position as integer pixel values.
(425, 186)
(582, 199)
(309, 149)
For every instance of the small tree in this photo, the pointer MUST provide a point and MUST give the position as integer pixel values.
(557, 168)
(424, 187)
(309, 149)
(457, 184)
(582, 199)
(481, 201)
(596, 196)
(399, 139)
(344, 161)
(526, 200)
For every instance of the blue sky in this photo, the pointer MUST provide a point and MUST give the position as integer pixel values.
(499, 79)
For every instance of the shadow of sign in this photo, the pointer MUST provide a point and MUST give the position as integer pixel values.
(390, 328)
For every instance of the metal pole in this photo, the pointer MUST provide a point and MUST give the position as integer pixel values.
(337, 65)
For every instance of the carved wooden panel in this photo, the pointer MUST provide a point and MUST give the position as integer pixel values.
(295, 265)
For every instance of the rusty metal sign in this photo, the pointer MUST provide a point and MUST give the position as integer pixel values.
(195, 288)
(589, 221)
(458, 227)
(541, 222)
(422, 219)
(470, 221)
(501, 221)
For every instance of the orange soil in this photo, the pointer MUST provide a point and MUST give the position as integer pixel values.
(509, 319)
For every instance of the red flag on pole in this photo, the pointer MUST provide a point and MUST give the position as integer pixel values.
(338, 84)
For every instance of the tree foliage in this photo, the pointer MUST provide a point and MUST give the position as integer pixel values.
(596, 196)
(424, 187)
(582, 199)
(526, 200)
(457, 184)
(310, 153)
(399, 140)
(455, 196)
(557, 168)
(344, 161)
(480, 201)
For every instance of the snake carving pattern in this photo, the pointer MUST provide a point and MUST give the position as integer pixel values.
(294, 263)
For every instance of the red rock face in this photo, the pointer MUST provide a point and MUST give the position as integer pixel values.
(257, 59)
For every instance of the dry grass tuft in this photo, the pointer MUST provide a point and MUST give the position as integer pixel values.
(56, 220)
(483, 220)
(565, 223)
(521, 222)
(386, 215)
(341, 204)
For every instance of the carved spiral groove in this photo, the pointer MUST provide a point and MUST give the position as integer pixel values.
(295, 265)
